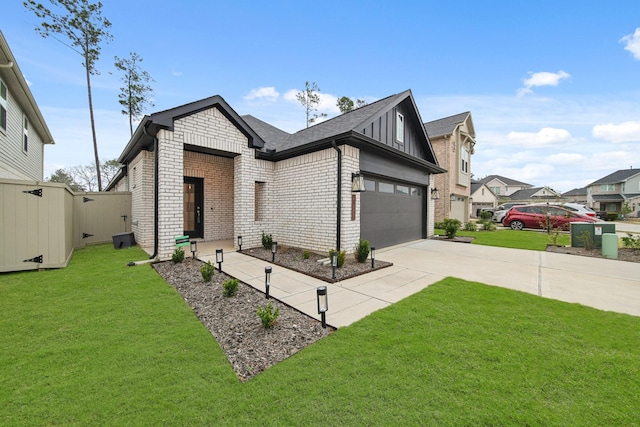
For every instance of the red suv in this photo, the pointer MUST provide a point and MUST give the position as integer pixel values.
(541, 216)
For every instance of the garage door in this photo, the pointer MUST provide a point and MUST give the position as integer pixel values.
(391, 212)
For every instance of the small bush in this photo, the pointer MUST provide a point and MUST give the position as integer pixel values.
(451, 227)
(342, 257)
(306, 254)
(488, 225)
(267, 240)
(178, 256)
(631, 242)
(361, 251)
(486, 216)
(612, 216)
(587, 240)
(207, 270)
(439, 225)
(268, 315)
(470, 226)
(230, 287)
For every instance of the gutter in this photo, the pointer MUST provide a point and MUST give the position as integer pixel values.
(156, 196)
(338, 195)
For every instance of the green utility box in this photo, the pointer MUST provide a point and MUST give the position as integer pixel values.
(595, 229)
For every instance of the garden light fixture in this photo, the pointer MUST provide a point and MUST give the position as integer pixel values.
(194, 248)
(240, 243)
(435, 194)
(357, 183)
(373, 257)
(267, 280)
(334, 264)
(274, 248)
(219, 259)
(323, 304)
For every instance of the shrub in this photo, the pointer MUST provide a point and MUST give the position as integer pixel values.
(267, 240)
(470, 226)
(268, 315)
(612, 216)
(178, 256)
(439, 225)
(207, 270)
(306, 254)
(361, 251)
(486, 216)
(451, 227)
(230, 287)
(631, 242)
(586, 239)
(488, 225)
(342, 257)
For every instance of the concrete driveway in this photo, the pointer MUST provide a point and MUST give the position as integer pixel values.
(604, 284)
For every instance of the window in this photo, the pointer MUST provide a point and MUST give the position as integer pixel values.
(607, 187)
(416, 191)
(496, 190)
(25, 133)
(385, 187)
(399, 127)
(369, 185)
(464, 160)
(402, 189)
(3, 106)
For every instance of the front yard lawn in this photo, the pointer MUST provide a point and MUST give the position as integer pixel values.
(523, 239)
(100, 343)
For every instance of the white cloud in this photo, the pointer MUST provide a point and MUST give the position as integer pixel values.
(269, 94)
(290, 95)
(566, 159)
(175, 73)
(327, 101)
(545, 137)
(623, 132)
(543, 78)
(632, 43)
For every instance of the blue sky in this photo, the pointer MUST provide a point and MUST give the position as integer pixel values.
(553, 86)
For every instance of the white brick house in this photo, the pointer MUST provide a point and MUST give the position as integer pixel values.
(220, 175)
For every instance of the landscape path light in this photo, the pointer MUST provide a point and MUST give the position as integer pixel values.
(267, 280)
(323, 304)
(274, 248)
(373, 257)
(240, 242)
(219, 259)
(194, 248)
(334, 264)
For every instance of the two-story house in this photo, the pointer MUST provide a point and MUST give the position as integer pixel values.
(453, 141)
(611, 192)
(503, 187)
(23, 131)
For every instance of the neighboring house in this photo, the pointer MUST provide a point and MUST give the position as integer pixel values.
(503, 187)
(453, 140)
(577, 195)
(536, 195)
(23, 131)
(481, 198)
(611, 192)
(201, 169)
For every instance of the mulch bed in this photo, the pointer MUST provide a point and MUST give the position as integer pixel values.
(624, 254)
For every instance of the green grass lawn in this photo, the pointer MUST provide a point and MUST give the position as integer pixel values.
(99, 343)
(522, 239)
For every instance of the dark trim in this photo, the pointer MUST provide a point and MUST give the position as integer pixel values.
(210, 151)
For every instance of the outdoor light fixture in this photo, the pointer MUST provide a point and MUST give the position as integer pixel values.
(274, 248)
(323, 304)
(435, 194)
(453, 197)
(240, 242)
(357, 183)
(194, 249)
(373, 256)
(219, 259)
(334, 264)
(267, 280)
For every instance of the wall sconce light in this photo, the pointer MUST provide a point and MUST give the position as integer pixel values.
(453, 197)
(219, 259)
(373, 257)
(334, 264)
(357, 183)
(240, 243)
(323, 304)
(194, 249)
(435, 194)
(267, 280)
(274, 248)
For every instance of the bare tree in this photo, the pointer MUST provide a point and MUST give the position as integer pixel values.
(63, 177)
(84, 26)
(136, 94)
(310, 99)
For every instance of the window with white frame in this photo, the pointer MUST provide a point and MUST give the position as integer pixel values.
(496, 190)
(25, 134)
(607, 187)
(399, 127)
(3, 106)
(464, 160)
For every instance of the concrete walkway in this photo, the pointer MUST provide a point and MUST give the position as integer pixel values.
(604, 284)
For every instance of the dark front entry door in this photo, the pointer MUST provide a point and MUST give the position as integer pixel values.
(193, 209)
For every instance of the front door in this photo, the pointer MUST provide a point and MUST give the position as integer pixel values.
(193, 209)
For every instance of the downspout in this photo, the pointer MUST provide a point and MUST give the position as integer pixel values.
(155, 192)
(339, 195)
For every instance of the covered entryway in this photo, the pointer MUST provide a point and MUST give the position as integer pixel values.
(392, 212)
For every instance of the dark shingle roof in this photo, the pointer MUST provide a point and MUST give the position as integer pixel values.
(528, 193)
(506, 180)
(576, 192)
(608, 198)
(617, 176)
(446, 125)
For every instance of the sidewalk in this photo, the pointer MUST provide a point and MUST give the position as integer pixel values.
(600, 283)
